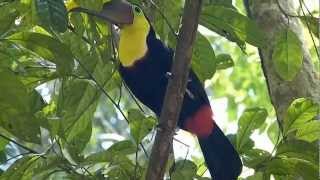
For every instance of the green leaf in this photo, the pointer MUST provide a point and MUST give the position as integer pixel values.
(34, 76)
(233, 25)
(7, 18)
(287, 54)
(298, 149)
(226, 3)
(172, 10)
(256, 176)
(140, 126)
(119, 148)
(43, 167)
(77, 103)
(254, 158)
(309, 131)
(291, 166)
(52, 14)
(203, 58)
(20, 169)
(47, 48)
(3, 143)
(273, 132)
(224, 61)
(184, 170)
(17, 107)
(250, 120)
(312, 23)
(299, 112)
(91, 4)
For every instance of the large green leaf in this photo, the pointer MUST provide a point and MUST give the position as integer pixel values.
(250, 120)
(254, 158)
(17, 108)
(47, 48)
(287, 54)
(52, 14)
(298, 149)
(140, 125)
(291, 166)
(184, 169)
(172, 11)
(203, 58)
(77, 103)
(299, 112)
(309, 131)
(233, 25)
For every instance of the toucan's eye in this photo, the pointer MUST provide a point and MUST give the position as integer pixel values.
(137, 9)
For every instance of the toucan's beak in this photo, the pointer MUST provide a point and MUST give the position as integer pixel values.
(118, 12)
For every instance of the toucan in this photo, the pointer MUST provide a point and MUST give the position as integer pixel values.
(145, 64)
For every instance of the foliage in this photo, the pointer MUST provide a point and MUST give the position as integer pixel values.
(60, 92)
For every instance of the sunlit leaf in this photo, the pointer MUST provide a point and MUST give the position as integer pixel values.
(250, 120)
(309, 131)
(287, 54)
(298, 149)
(299, 112)
(293, 166)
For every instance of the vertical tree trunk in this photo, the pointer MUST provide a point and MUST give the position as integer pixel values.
(271, 19)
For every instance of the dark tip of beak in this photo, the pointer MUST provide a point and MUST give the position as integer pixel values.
(118, 12)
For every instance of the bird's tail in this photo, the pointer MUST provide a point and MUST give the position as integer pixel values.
(221, 158)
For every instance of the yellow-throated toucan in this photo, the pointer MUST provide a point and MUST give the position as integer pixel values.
(144, 64)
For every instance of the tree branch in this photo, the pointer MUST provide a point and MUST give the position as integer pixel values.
(175, 91)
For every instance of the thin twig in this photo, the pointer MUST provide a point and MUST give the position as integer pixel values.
(20, 145)
(309, 28)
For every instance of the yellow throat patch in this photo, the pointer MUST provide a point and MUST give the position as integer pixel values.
(133, 39)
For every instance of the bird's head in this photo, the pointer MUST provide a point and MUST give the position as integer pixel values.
(122, 14)
(134, 28)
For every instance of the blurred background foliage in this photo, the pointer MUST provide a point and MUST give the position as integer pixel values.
(66, 114)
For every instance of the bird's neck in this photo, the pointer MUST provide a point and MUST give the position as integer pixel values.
(132, 45)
